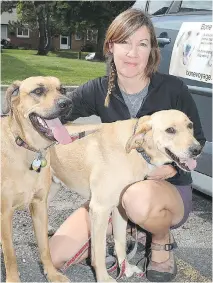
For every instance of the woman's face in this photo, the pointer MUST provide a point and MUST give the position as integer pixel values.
(132, 55)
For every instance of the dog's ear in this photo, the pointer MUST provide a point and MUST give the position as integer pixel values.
(136, 141)
(12, 91)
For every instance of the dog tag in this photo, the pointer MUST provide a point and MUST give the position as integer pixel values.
(36, 164)
(43, 161)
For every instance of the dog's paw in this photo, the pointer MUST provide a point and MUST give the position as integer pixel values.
(131, 269)
(14, 278)
(106, 278)
(109, 279)
(57, 277)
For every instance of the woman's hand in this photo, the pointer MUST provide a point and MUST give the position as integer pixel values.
(162, 173)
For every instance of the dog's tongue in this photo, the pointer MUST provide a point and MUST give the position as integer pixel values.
(59, 131)
(191, 163)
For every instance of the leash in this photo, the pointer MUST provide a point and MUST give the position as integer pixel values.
(82, 250)
(109, 259)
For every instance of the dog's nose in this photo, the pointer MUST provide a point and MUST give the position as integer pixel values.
(195, 150)
(64, 103)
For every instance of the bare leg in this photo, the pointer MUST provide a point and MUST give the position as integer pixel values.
(155, 206)
(71, 236)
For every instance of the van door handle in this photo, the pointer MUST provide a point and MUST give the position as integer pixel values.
(204, 91)
(162, 41)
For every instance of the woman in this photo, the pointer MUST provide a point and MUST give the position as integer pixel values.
(134, 89)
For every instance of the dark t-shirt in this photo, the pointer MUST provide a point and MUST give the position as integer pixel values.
(164, 92)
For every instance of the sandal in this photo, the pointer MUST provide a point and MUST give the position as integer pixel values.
(136, 241)
(137, 238)
(161, 271)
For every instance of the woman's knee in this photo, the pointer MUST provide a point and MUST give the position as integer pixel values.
(62, 248)
(55, 252)
(138, 200)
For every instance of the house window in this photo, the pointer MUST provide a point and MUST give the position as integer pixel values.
(78, 36)
(92, 35)
(64, 40)
(23, 32)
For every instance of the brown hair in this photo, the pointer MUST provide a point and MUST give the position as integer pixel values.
(123, 26)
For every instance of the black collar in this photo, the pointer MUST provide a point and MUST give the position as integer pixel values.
(141, 150)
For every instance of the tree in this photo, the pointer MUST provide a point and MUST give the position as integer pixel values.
(42, 16)
(43, 10)
(65, 17)
(106, 11)
(97, 15)
(8, 6)
(37, 15)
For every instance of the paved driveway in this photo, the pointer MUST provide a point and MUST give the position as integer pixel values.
(194, 241)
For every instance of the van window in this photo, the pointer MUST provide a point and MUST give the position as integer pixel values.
(194, 6)
(158, 7)
(140, 5)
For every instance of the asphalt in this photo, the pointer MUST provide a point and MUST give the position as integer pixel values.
(194, 253)
(194, 238)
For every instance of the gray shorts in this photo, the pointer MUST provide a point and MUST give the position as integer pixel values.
(186, 195)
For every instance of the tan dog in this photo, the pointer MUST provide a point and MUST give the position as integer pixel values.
(31, 105)
(103, 164)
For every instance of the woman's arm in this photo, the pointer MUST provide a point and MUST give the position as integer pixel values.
(162, 173)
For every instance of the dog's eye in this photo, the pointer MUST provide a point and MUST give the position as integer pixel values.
(38, 91)
(171, 130)
(63, 90)
(190, 126)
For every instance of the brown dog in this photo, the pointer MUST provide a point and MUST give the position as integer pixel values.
(103, 164)
(31, 127)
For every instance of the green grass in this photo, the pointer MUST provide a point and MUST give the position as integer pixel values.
(20, 64)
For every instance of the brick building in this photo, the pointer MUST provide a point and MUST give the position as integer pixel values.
(26, 38)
